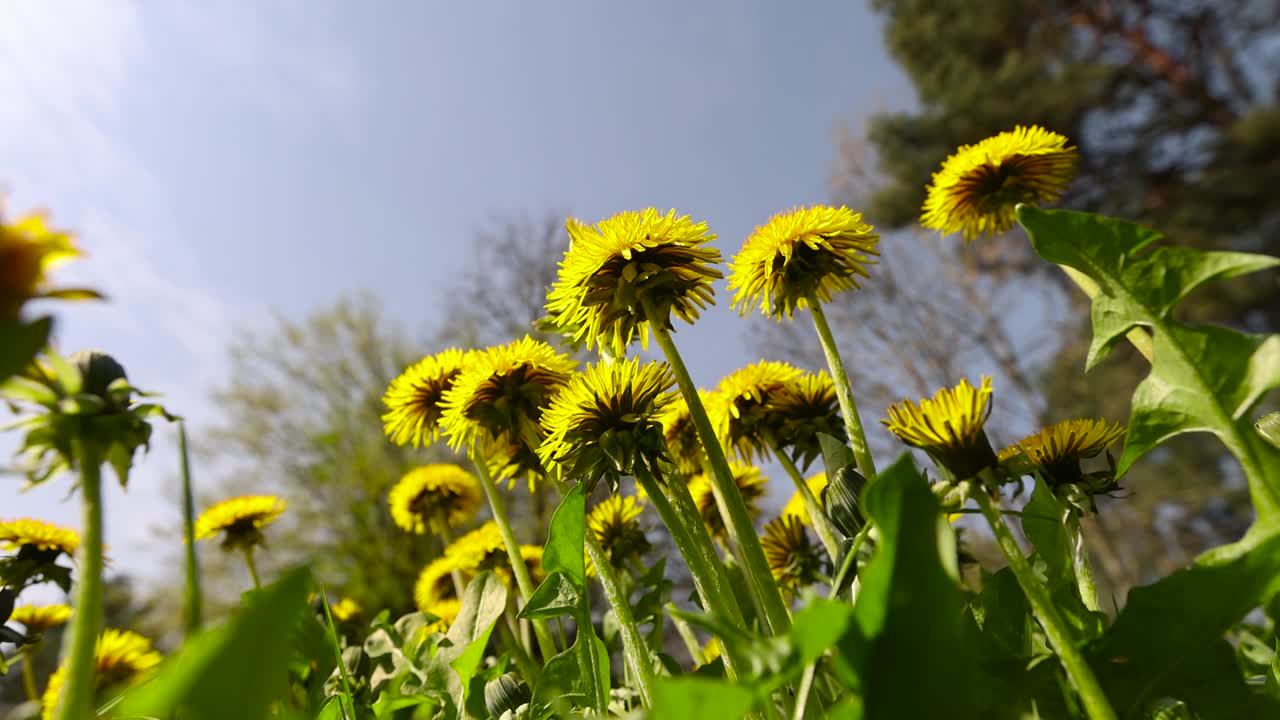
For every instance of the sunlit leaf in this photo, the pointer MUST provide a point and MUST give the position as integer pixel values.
(1203, 379)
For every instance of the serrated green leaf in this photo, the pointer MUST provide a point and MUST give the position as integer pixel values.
(1168, 641)
(1203, 379)
(450, 671)
(555, 597)
(566, 538)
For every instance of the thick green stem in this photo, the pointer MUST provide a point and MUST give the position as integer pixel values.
(28, 672)
(521, 571)
(1073, 661)
(587, 636)
(78, 649)
(194, 600)
(1080, 558)
(253, 566)
(844, 392)
(699, 553)
(817, 516)
(738, 520)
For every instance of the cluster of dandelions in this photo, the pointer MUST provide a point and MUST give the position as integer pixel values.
(524, 410)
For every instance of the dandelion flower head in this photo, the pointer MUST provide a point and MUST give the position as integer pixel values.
(803, 253)
(1056, 450)
(634, 256)
(38, 534)
(433, 497)
(740, 408)
(605, 419)
(979, 187)
(41, 618)
(240, 519)
(795, 561)
(948, 426)
(414, 399)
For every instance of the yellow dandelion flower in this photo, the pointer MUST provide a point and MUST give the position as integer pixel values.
(434, 497)
(435, 582)
(615, 521)
(979, 187)
(815, 251)
(500, 396)
(1056, 450)
(795, 507)
(750, 483)
(121, 654)
(38, 534)
(610, 267)
(480, 549)
(41, 618)
(345, 610)
(711, 651)
(948, 426)
(604, 420)
(795, 561)
(445, 612)
(801, 410)
(240, 519)
(29, 250)
(681, 436)
(740, 407)
(121, 657)
(414, 399)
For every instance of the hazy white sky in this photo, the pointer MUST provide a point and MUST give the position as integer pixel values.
(220, 160)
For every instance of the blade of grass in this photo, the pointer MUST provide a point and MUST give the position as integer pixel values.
(337, 652)
(194, 600)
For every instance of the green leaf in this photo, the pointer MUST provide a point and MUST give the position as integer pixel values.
(455, 663)
(695, 698)
(818, 627)
(909, 615)
(835, 454)
(233, 671)
(566, 538)
(1203, 379)
(20, 342)
(556, 596)
(1168, 641)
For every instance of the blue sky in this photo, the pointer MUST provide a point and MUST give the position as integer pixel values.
(222, 161)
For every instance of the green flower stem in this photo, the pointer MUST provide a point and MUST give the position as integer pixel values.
(194, 600)
(546, 644)
(253, 567)
(633, 644)
(817, 516)
(29, 673)
(738, 519)
(78, 649)
(844, 391)
(709, 578)
(1073, 661)
(1140, 338)
(1080, 558)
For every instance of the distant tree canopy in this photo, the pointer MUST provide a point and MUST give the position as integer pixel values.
(301, 418)
(1173, 104)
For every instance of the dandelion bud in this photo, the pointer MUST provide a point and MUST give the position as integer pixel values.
(841, 500)
(1269, 428)
(505, 693)
(99, 370)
